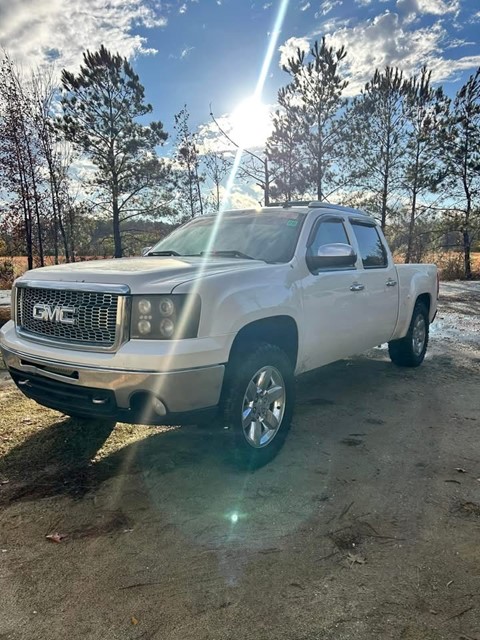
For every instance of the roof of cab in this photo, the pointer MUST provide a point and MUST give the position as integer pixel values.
(304, 206)
(317, 204)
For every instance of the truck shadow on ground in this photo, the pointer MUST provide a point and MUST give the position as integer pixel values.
(340, 398)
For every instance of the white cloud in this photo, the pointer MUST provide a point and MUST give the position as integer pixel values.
(289, 49)
(305, 6)
(60, 30)
(386, 40)
(240, 198)
(432, 7)
(326, 6)
(185, 52)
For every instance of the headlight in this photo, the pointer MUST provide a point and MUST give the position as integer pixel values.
(165, 317)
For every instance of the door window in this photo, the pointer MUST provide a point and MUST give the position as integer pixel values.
(328, 232)
(371, 247)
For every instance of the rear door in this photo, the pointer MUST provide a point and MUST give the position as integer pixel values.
(377, 297)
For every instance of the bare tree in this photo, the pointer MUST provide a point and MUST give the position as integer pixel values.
(20, 159)
(217, 166)
(187, 156)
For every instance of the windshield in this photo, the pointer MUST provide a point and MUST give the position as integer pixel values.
(269, 236)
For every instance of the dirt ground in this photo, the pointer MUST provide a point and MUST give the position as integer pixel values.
(366, 526)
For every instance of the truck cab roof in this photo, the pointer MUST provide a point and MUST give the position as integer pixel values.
(305, 207)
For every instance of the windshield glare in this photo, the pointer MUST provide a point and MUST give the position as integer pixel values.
(270, 236)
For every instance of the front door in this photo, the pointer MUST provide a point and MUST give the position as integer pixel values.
(329, 304)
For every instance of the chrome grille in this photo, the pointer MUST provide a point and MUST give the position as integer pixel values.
(96, 315)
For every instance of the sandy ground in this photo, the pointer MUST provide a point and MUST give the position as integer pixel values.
(366, 526)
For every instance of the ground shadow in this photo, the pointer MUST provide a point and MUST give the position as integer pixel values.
(59, 459)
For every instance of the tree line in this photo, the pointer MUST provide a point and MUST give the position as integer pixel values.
(81, 169)
(401, 148)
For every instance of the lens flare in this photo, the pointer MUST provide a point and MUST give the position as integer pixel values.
(173, 345)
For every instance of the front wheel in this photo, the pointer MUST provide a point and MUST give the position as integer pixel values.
(410, 350)
(258, 404)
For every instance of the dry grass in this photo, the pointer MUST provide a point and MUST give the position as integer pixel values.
(449, 263)
(20, 265)
(4, 315)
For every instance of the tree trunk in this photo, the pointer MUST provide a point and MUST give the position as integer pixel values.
(320, 171)
(413, 209)
(466, 254)
(411, 228)
(117, 236)
(386, 177)
(199, 192)
(267, 184)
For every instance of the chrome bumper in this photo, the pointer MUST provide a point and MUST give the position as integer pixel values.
(178, 391)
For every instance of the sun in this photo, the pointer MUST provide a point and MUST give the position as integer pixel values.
(251, 123)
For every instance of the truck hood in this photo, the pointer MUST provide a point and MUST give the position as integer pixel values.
(157, 274)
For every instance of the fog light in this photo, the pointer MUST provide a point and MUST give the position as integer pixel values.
(158, 407)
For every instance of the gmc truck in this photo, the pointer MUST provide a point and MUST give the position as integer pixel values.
(216, 321)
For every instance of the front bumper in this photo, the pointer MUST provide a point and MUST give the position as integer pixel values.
(172, 397)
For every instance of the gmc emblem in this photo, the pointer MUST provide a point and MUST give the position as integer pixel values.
(54, 313)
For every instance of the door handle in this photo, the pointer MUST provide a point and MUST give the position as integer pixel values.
(356, 286)
(391, 283)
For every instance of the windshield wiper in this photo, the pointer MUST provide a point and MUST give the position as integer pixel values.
(169, 252)
(232, 253)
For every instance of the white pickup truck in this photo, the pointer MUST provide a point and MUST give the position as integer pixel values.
(216, 320)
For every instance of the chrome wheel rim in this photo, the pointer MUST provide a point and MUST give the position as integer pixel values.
(263, 407)
(418, 335)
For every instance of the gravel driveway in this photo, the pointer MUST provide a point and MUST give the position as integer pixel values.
(366, 526)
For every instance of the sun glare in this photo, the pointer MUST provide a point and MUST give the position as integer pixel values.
(251, 123)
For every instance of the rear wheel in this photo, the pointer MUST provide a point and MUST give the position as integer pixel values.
(410, 350)
(258, 403)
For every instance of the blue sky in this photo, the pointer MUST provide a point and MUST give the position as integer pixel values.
(223, 45)
(202, 51)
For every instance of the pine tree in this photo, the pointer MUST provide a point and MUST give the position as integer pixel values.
(284, 149)
(461, 144)
(374, 142)
(424, 108)
(100, 107)
(318, 86)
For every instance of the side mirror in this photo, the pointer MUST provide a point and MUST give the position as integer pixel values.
(145, 250)
(332, 256)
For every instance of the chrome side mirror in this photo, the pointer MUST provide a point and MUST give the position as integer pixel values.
(336, 255)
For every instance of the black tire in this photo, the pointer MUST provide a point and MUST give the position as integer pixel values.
(240, 372)
(405, 352)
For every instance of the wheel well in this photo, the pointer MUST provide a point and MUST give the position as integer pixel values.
(280, 331)
(425, 299)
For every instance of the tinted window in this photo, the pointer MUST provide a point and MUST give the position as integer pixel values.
(328, 232)
(371, 249)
